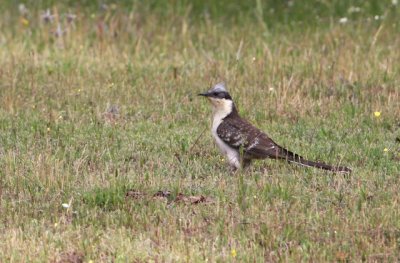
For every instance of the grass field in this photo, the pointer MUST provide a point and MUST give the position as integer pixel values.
(99, 112)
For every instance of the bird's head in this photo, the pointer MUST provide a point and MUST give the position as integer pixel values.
(219, 97)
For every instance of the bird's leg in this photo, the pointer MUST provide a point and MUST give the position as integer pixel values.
(246, 163)
(233, 169)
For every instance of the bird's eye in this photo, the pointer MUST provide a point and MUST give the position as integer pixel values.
(215, 94)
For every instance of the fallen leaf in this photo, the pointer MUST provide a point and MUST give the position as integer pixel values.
(70, 257)
(162, 195)
(193, 199)
(341, 256)
(111, 115)
(134, 194)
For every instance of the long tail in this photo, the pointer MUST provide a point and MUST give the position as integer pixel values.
(295, 158)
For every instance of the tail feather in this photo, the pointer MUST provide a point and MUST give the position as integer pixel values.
(295, 158)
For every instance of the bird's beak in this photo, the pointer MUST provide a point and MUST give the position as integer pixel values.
(205, 94)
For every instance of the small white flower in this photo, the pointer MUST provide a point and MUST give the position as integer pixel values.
(354, 9)
(70, 17)
(395, 2)
(103, 7)
(378, 17)
(65, 205)
(271, 89)
(47, 16)
(23, 10)
(59, 31)
(343, 20)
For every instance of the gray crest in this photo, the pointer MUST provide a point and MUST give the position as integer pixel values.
(220, 87)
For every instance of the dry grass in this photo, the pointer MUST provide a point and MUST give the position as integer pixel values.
(314, 90)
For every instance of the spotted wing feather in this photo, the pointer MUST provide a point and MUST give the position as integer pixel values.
(240, 134)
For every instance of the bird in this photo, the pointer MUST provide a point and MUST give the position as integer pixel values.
(241, 142)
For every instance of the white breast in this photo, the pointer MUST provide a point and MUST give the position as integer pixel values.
(219, 113)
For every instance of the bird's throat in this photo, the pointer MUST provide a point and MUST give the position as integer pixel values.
(221, 108)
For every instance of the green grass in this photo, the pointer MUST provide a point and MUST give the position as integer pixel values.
(311, 83)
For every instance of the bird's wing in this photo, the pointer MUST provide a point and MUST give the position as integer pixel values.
(240, 134)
